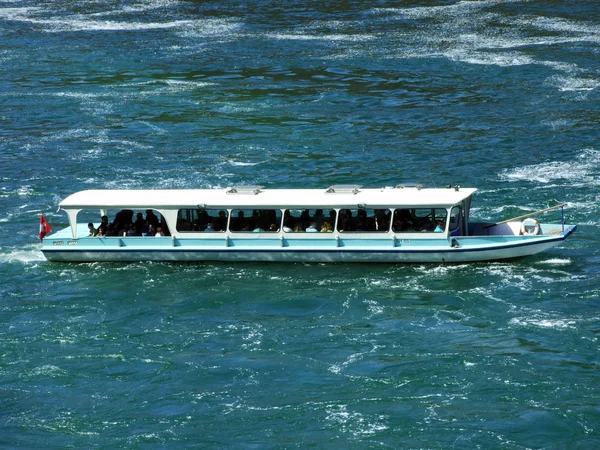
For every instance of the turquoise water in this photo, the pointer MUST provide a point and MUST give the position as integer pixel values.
(498, 95)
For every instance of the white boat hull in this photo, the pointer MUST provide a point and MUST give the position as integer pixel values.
(386, 250)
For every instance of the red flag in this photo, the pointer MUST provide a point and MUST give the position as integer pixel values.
(45, 227)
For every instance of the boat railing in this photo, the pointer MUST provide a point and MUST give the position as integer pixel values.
(534, 213)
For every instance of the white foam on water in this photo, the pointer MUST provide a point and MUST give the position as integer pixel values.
(71, 134)
(303, 36)
(556, 261)
(155, 128)
(84, 24)
(442, 269)
(25, 191)
(558, 124)
(582, 171)
(460, 34)
(19, 13)
(163, 86)
(186, 84)
(572, 78)
(353, 422)
(242, 164)
(48, 370)
(90, 22)
(452, 10)
(558, 324)
(506, 59)
(143, 6)
(119, 143)
(25, 255)
(581, 29)
(223, 28)
(373, 307)
(573, 83)
(96, 105)
(540, 173)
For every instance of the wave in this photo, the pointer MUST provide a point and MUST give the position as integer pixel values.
(558, 324)
(89, 22)
(475, 32)
(241, 164)
(25, 255)
(573, 83)
(301, 36)
(583, 171)
(556, 261)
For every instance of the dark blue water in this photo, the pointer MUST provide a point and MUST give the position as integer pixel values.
(498, 95)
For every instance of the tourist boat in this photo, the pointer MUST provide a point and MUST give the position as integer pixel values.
(343, 223)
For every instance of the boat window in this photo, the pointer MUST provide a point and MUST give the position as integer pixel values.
(419, 220)
(127, 222)
(455, 218)
(364, 220)
(194, 220)
(309, 220)
(255, 220)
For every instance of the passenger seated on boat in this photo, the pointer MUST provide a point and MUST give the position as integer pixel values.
(165, 228)
(184, 225)
(288, 225)
(402, 220)
(103, 222)
(123, 218)
(237, 223)
(111, 230)
(202, 220)
(132, 231)
(145, 228)
(159, 232)
(312, 228)
(318, 218)
(209, 227)
(220, 222)
(439, 228)
(101, 231)
(274, 227)
(151, 218)
(139, 223)
(345, 220)
(382, 220)
(122, 228)
(345, 225)
(361, 224)
(426, 225)
(326, 228)
(305, 219)
(93, 231)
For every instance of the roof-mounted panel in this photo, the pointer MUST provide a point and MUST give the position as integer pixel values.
(409, 186)
(252, 190)
(343, 189)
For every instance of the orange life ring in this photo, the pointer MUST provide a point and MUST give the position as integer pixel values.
(530, 227)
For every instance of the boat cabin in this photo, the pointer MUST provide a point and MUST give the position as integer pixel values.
(341, 209)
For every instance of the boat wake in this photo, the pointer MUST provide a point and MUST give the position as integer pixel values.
(25, 255)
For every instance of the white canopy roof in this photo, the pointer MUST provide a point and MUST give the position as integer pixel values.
(253, 197)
